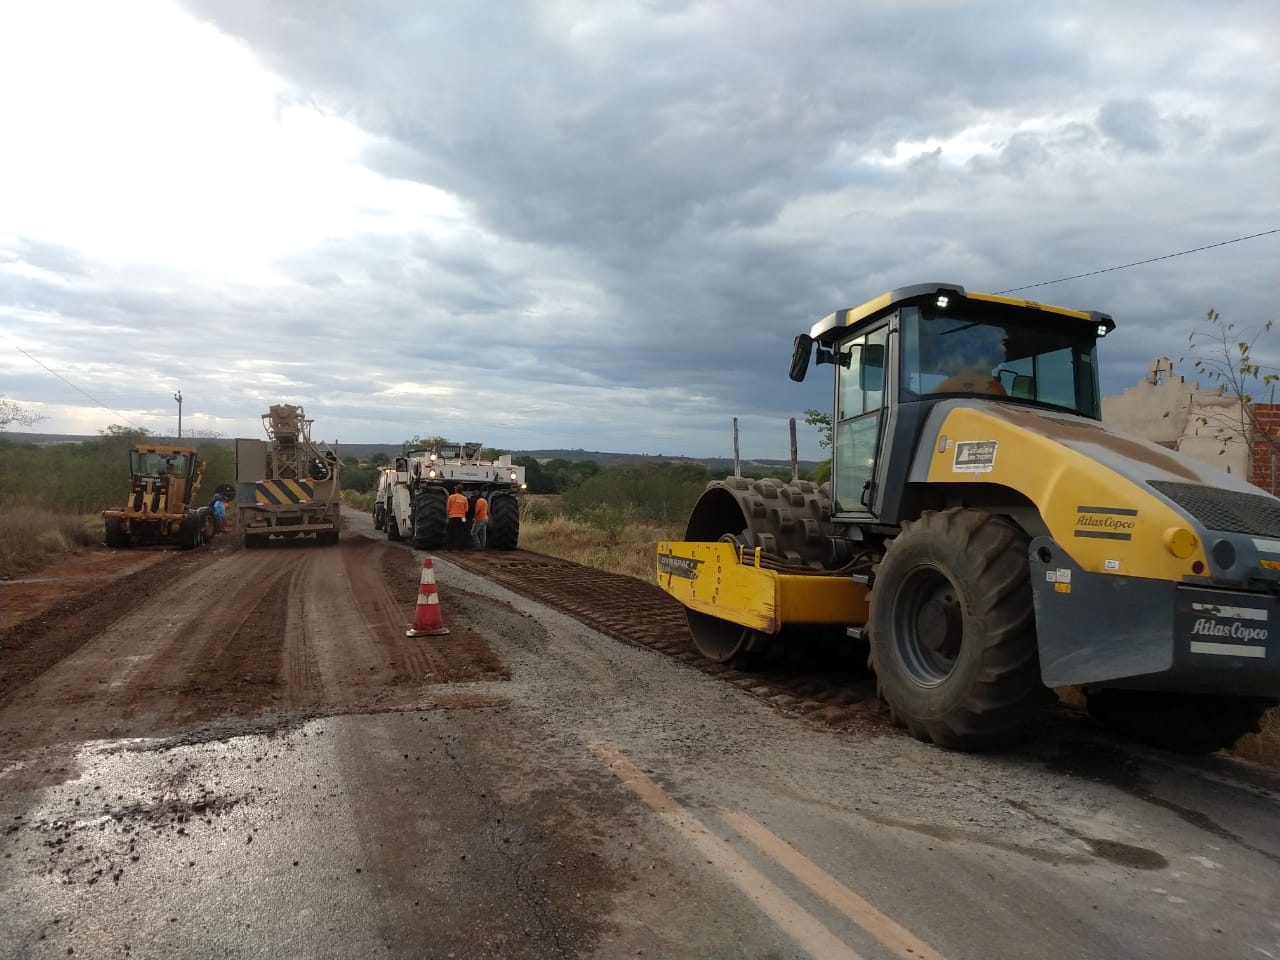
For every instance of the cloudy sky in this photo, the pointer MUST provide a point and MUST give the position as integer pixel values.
(597, 225)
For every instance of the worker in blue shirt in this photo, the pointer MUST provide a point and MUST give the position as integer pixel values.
(219, 510)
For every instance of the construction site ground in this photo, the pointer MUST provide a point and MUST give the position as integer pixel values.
(231, 753)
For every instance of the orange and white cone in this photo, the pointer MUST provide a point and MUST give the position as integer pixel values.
(426, 617)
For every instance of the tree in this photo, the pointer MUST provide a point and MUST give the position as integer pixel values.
(13, 412)
(1226, 358)
(816, 418)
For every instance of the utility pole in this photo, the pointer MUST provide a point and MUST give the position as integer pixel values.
(178, 396)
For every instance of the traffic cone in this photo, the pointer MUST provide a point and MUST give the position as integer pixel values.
(426, 617)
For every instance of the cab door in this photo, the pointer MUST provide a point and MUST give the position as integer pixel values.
(859, 416)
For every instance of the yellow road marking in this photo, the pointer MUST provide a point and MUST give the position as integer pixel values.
(891, 934)
(804, 928)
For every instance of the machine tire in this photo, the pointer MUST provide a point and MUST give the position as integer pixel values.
(113, 533)
(189, 531)
(379, 516)
(789, 521)
(952, 628)
(393, 526)
(430, 518)
(1179, 722)
(503, 532)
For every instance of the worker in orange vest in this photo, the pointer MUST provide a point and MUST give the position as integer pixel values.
(480, 523)
(456, 535)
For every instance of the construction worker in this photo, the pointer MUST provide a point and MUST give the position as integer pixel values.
(219, 511)
(456, 535)
(480, 522)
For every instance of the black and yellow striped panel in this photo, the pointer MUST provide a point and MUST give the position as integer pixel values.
(280, 492)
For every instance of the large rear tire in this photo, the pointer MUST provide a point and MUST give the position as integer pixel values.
(189, 531)
(952, 628)
(430, 518)
(504, 522)
(1178, 722)
(113, 533)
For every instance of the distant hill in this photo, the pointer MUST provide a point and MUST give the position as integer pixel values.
(365, 450)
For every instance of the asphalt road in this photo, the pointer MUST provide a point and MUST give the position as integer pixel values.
(538, 790)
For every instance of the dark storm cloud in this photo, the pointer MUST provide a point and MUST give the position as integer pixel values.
(1131, 123)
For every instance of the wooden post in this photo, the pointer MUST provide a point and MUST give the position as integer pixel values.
(737, 464)
(795, 460)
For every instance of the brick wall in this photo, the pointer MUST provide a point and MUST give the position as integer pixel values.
(1266, 456)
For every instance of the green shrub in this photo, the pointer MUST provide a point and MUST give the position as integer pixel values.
(357, 500)
(648, 493)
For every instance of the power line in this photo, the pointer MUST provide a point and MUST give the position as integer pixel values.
(70, 384)
(1138, 263)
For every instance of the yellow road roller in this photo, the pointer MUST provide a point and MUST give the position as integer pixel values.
(989, 539)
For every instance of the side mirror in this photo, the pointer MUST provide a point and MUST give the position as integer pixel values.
(801, 351)
(872, 367)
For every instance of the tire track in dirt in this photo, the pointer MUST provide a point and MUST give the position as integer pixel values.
(299, 665)
(118, 671)
(37, 643)
(237, 634)
(219, 647)
(385, 586)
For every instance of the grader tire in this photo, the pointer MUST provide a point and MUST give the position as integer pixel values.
(189, 532)
(379, 516)
(503, 532)
(393, 526)
(430, 519)
(113, 533)
(952, 629)
(1190, 723)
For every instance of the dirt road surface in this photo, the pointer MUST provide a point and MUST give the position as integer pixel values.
(229, 753)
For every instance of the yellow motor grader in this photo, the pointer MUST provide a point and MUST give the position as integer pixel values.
(986, 537)
(163, 481)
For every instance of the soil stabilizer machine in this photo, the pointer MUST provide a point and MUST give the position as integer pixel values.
(163, 481)
(287, 486)
(988, 538)
(413, 493)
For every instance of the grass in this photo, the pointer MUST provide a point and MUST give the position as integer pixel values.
(356, 500)
(628, 549)
(1264, 746)
(31, 537)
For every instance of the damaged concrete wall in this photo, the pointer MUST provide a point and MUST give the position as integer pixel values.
(1166, 409)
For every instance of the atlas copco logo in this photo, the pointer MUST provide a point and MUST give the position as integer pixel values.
(1206, 627)
(1106, 523)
